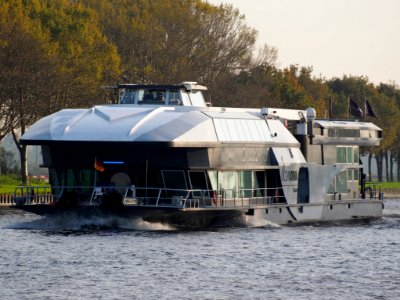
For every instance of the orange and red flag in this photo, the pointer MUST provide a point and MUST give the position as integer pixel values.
(98, 165)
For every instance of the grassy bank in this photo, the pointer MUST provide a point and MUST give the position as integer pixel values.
(10, 181)
(385, 185)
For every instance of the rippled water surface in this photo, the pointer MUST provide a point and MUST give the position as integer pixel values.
(73, 258)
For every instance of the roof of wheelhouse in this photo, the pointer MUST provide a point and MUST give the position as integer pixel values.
(149, 123)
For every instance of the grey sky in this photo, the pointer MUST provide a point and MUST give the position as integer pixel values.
(335, 37)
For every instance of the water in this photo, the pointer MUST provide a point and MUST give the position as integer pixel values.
(74, 258)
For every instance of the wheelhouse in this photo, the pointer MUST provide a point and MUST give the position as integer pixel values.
(185, 94)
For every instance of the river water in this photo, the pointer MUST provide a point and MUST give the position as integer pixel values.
(74, 258)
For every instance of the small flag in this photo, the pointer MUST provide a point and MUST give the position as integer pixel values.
(354, 109)
(98, 165)
(368, 110)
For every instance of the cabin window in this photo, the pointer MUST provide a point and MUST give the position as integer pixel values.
(198, 181)
(213, 176)
(356, 174)
(339, 184)
(331, 188)
(229, 184)
(341, 154)
(347, 155)
(356, 156)
(174, 179)
(72, 178)
(245, 184)
(259, 184)
(370, 133)
(341, 132)
(350, 175)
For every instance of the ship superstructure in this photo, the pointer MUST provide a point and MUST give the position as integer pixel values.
(163, 154)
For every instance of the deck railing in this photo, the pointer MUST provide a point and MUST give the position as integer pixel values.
(151, 197)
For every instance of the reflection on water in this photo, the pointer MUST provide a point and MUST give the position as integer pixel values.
(71, 257)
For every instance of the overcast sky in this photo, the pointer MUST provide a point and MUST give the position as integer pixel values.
(335, 37)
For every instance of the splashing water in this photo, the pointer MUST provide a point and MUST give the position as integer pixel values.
(75, 222)
(259, 221)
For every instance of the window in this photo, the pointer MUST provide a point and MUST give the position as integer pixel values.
(174, 179)
(198, 181)
(174, 98)
(213, 176)
(341, 154)
(347, 155)
(350, 175)
(339, 184)
(245, 184)
(128, 97)
(356, 156)
(229, 183)
(356, 174)
(341, 132)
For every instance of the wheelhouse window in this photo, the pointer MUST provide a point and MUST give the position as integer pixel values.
(151, 96)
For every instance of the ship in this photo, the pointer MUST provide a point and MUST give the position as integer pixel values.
(164, 154)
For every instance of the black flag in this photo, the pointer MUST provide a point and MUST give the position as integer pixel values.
(354, 109)
(368, 110)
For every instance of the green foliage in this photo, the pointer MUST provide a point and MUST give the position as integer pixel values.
(385, 185)
(9, 182)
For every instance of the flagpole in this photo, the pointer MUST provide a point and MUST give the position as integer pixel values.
(348, 107)
(365, 109)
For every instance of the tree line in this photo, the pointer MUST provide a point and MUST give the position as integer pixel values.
(56, 54)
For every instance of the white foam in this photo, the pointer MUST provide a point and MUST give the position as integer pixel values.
(72, 221)
(259, 221)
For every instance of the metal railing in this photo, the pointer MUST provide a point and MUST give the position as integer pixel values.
(197, 198)
(149, 197)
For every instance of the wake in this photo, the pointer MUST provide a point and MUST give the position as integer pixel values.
(74, 222)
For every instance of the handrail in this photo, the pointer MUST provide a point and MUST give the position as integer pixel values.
(149, 196)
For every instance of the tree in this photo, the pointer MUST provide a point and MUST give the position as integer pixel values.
(52, 56)
(172, 41)
(26, 58)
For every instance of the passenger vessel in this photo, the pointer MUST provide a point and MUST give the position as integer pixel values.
(164, 155)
